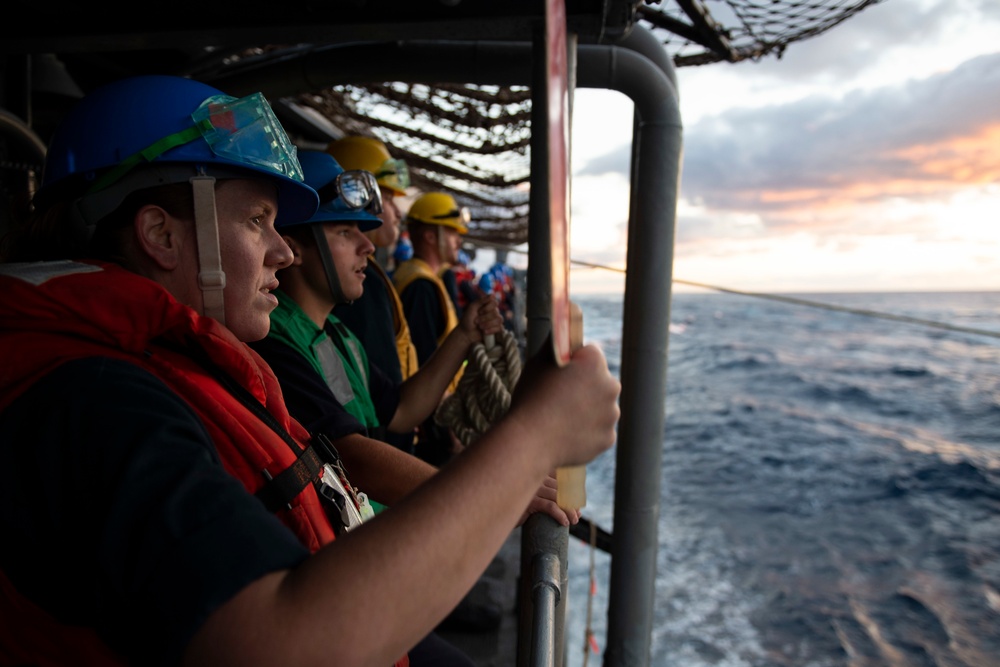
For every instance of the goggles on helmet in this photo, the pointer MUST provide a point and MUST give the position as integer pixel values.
(357, 189)
(461, 214)
(243, 130)
(394, 174)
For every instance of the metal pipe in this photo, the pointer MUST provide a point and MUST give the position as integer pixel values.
(540, 535)
(645, 43)
(545, 597)
(655, 178)
(655, 186)
(500, 63)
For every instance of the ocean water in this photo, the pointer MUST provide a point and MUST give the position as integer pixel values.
(830, 485)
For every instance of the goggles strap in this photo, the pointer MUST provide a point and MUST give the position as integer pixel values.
(375, 207)
(394, 174)
(149, 154)
(442, 239)
(211, 278)
(330, 192)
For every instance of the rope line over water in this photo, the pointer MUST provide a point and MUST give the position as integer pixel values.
(819, 304)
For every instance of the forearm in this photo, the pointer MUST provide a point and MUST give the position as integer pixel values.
(466, 512)
(383, 472)
(375, 592)
(372, 594)
(422, 393)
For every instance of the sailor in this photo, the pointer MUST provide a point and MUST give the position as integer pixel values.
(376, 317)
(147, 450)
(435, 224)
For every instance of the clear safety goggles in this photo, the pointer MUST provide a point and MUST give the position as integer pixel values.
(394, 174)
(246, 130)
(356, 188)
(462, 215)
(243, 130)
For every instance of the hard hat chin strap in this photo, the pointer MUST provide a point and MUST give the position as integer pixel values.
(336, 291)
(442, 240)
(211, 277)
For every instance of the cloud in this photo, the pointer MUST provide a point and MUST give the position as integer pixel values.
(876, 143)
(614, 162)
(919, 139)
(812, 162)
(856, 44)
(881, 36)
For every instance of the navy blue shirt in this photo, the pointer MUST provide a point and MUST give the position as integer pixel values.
(309, 399)
(117, 514)
(450, 281)
(370, 319)
(422, 307)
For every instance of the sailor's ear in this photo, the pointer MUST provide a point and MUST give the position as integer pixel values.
(296, 247)
(429, 233)
(159, 235)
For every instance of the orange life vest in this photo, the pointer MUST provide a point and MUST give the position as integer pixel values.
(56, 312)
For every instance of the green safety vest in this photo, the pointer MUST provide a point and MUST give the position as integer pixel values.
(339, 358)
(341, 361)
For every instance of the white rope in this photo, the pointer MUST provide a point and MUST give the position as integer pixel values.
(483, 394)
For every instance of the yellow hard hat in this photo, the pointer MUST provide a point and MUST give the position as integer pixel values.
(439, 208)
(370, 154)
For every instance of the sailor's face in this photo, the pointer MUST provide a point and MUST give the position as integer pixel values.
(252, 253)
(452, 244)
(388, 233)
(349, 248)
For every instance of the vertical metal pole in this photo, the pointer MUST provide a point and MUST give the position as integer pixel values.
(656, 176)
(655, 186)
(545, 595)
(540, 535)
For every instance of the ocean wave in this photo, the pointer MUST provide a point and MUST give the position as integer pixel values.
(961, 479)
(830, 489)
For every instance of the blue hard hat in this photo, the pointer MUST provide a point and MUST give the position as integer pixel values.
(322, 172)
(179, 126)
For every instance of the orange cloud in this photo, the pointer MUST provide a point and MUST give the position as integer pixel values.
(970, 160)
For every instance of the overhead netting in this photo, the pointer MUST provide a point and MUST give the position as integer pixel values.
(708, 31)
(473, 141)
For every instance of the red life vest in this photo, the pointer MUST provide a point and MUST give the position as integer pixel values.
(56, 312)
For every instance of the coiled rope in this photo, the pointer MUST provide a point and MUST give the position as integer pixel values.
(483, 394)
(481, 398)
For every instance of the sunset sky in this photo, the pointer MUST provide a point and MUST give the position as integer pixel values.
(866, 159)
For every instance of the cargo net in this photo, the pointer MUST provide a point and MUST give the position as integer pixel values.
(469, 141)
(473, 141)
(707, 31)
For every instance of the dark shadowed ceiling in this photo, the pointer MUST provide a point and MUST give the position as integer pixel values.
(472, 140)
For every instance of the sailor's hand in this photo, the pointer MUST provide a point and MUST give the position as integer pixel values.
(575, 407)
(545, 501)
(481, 318)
